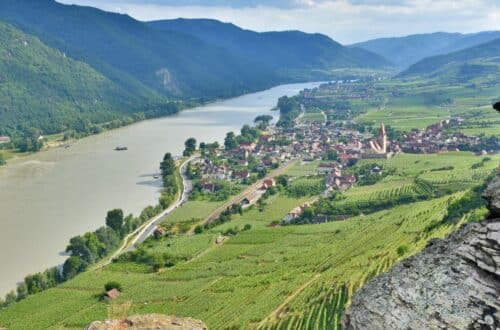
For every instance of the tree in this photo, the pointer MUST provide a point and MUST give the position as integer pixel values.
(36, 283)
(332, 155)
(10, 298)
(114, 220)
(73, 266)
(263, 121)
(167, 166)
(78, 247)
(198, 229)
(190, 146)
(230, 141)
(22, 291)
(496, 106)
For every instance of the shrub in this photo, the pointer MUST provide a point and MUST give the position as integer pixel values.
(112, 285)
(402, 250)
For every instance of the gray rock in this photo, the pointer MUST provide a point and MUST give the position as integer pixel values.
(452, 284)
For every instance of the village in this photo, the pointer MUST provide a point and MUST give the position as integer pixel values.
(247, 158)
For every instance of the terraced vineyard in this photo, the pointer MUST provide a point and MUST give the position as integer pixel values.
(389, 189)
(285, 277)
(243, 281)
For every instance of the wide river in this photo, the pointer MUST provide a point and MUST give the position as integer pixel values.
(49, 197)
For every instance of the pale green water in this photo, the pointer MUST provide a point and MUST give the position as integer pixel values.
(47, 198)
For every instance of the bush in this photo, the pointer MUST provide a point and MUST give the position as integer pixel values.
(112, 285)
(402, 250)
(198, 229)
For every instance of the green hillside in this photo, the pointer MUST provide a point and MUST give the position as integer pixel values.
(290, 53)
(42, 88)
(467, 60)
(128, 51)
(405, 51)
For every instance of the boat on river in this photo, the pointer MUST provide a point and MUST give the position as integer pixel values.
(121, 148)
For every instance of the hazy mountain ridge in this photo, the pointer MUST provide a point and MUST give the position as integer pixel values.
(285, 52)
(464, 60)
(408, 50)
(124, 48)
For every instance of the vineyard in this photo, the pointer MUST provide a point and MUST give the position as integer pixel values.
(268, 276)
(314, 268)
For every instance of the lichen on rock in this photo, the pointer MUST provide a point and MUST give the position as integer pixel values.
(149, 321)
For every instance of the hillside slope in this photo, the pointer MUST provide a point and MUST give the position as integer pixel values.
(405, 51)
(44, 89)
(453, 283)
(429, 66)
(288, 52)
(128, 51)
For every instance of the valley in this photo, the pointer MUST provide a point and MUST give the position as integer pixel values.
(150, 172)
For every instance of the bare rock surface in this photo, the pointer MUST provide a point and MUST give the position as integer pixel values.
(452, 284)
(149, 322)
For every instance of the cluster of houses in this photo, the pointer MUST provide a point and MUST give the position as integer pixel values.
(434, 138)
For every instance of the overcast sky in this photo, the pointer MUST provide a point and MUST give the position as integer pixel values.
(346, 21)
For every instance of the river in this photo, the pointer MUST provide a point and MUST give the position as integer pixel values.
(49, 197)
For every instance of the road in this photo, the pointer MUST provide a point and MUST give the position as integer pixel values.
(142, 233)
(149, 229)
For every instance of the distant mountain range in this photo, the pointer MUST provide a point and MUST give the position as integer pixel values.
(405, 51)
(116, 67)
(83, 67)
(470, 62)
(291, 54)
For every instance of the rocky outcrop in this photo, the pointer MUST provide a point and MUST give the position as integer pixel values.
(452, 284)
(150, 321)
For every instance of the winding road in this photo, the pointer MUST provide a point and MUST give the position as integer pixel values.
(146, 230)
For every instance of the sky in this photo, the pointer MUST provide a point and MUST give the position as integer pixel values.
(346, 21)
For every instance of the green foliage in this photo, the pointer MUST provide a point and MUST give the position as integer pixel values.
(403, 250)
(43, 89)
(114, 220)
(112, 285)
(289, 109)
(72, 266)
(305, 187)
(190, 147)
(230, 141)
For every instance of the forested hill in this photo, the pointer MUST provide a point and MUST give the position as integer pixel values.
(41, 88)
(405, 51)
(479, 57)
(289, 53)
(130, 52)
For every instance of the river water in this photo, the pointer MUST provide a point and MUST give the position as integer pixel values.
(49, 197)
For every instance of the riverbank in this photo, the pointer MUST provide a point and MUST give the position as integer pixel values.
(60, 140)
(48, 197)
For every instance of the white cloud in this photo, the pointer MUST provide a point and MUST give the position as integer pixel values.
(344, 20)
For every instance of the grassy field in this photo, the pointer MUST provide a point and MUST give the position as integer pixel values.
(419, 103)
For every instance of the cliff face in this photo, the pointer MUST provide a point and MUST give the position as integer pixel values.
(453, 283)
(149, 321)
